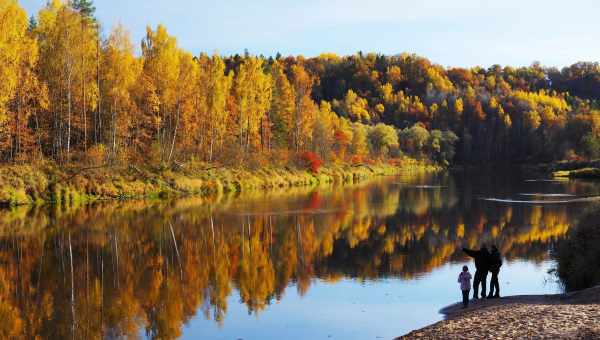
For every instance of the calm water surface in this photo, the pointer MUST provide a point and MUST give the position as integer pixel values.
(366, 261)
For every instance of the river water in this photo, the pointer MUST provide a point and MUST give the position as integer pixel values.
(365, 261)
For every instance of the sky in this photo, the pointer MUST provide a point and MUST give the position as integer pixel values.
(461, 33)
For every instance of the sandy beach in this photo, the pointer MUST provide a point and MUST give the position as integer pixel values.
(562, 316)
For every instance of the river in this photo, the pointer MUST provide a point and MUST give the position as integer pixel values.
(364, 261)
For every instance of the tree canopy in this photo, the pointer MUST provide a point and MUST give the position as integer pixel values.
(70, 94)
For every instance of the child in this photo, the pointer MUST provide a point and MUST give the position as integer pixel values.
(464, 278)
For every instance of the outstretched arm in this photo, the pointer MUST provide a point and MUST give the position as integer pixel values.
(470, 252)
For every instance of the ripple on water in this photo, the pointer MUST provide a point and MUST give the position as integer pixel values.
(406, 185)
(556, 180)
(546, 195)
(565, 201)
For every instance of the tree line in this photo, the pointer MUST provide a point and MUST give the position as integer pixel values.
(70, 94)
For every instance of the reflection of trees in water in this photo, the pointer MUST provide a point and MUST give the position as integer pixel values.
(578, 255)
(153, 266)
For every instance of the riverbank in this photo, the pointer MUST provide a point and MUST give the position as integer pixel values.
(560, 316)
(47, 183)
(576, 169)
(584, 173)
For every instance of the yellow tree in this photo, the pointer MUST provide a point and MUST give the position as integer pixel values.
(359, 146)
(120, 70)
(161, 67)
(88, 70)
(323, 130)
(146, 119)
(304, 107)
(219, 87)
(185, 90)
(253, 95)
(356, 107)
(67, 43)
(342, 136)
(13, 27)
(21, 94)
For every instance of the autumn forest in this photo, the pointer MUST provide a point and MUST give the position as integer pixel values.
(72, 94)
(150, 191)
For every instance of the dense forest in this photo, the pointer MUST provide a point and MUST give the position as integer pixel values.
(71, 93)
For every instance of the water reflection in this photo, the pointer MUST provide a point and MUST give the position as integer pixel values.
(118, 269)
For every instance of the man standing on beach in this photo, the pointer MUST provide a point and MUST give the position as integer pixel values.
(495, 264)
(482, 266)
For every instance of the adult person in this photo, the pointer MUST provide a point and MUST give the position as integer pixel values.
(495, 264)
(482, 266)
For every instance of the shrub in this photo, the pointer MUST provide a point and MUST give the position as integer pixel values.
(571, 155)
(311, 161)
(96, 155)
(356, 159)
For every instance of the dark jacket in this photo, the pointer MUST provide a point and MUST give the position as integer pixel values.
(482, 258)
(495, 261)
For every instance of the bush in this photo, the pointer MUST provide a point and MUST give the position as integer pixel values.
(591, 145)
(311, 161)
(572, 156)
(357, 159)
(96, 155)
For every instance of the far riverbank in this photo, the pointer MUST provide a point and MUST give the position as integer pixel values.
(47, 183)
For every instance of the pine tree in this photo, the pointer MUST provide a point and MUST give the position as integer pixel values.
(282, 108)
(85, 7)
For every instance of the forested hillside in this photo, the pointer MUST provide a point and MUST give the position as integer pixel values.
(71, 93)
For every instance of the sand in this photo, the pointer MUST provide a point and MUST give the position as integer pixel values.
(562, 316)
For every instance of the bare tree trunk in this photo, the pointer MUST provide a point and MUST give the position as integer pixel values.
(297, 124)
(69, 80)
(160, 131)
(98, 119)
(175, 131)
(241, 132)
(247, 135)
(40, 270)
(60, 122)
(72, 290)
(83, 113)
(176, 249)
(18, 122)
(114, 124)
(69, 71)
(117, 258)
(212, 229)
(243, 239)
(212, 142)
(37, 131)
(300, 247)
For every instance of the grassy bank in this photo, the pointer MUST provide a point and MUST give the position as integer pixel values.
(576, 169)
(47, 183)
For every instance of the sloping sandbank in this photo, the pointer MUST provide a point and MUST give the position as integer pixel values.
(562, 316)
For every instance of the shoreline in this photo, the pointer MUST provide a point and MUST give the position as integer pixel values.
(47, 184)
(572, 315)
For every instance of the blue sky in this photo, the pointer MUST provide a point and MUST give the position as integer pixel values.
(449, 32)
